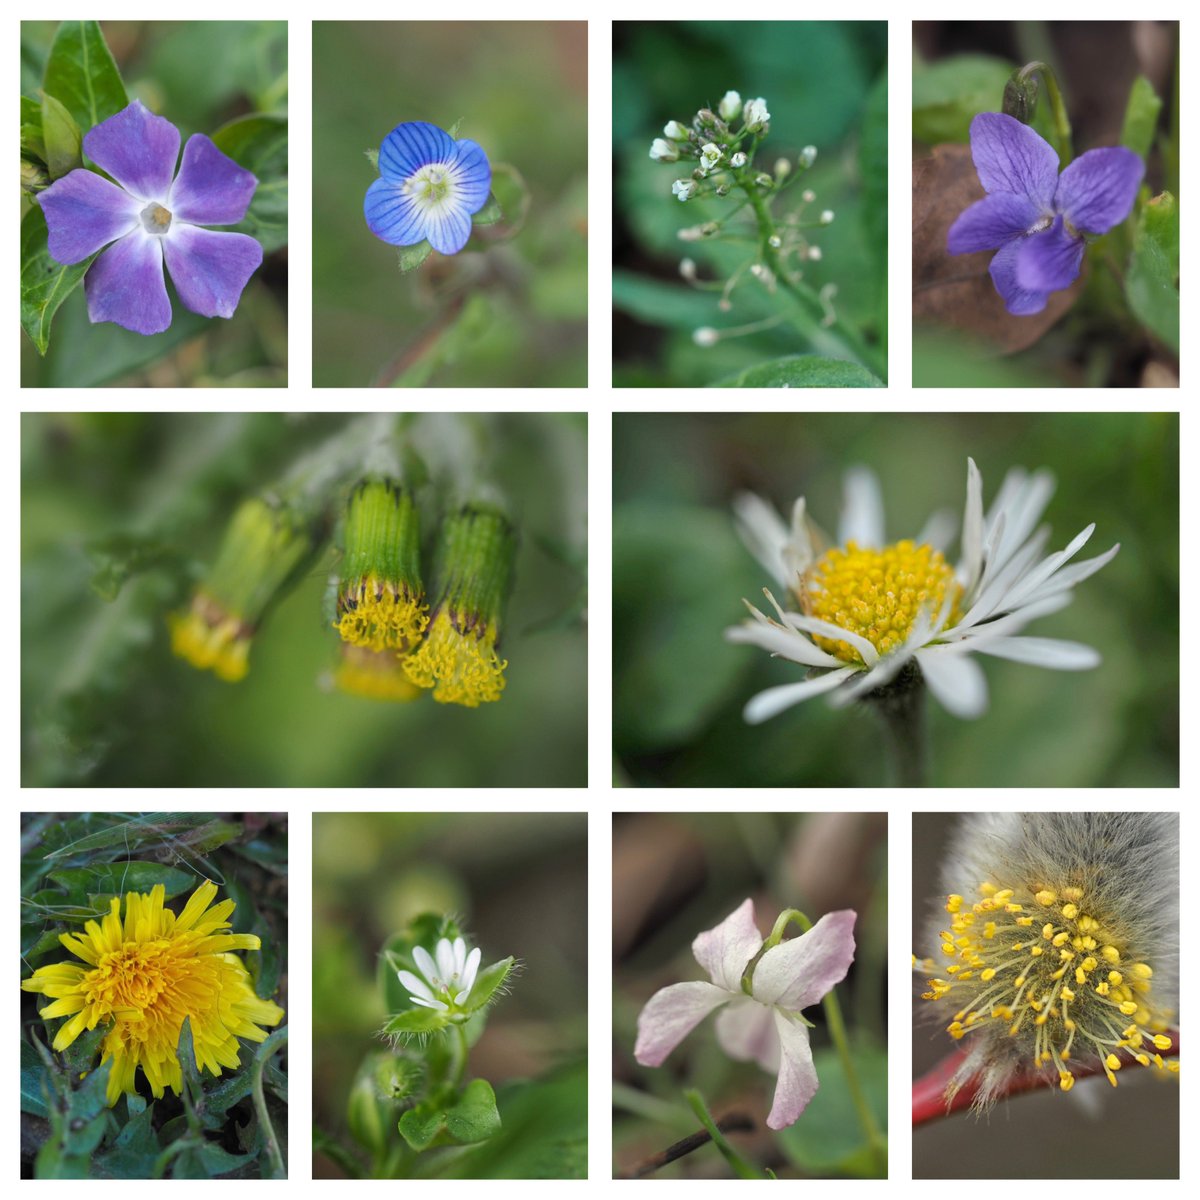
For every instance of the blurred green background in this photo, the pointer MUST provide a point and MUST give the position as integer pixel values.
(518, 883)
(105, 703)
(1141, 1115)
(825, 83)
(520, 89)
(959, 69)
(677, 874)
(199, 75)
(680, 572)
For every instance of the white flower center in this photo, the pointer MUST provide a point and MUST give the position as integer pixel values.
(433, 186)
(155, 218)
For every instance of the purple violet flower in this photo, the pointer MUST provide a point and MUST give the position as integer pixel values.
(150, 215)
(1034, 217)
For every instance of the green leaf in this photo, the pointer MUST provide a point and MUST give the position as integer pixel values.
(453, 130)
(61, 137)
(135, 1151)
(1141, 117)
(829, 1138)
(184, 834)
(475, 1117)
(411, 257)
(373, 158)
(33, 1078)
(487, 982)
(419, 1126)
(490, 213)
(873, 167)
(1151, 285)
(417, 1022)
(259, 143)
(45, 284)
(32, 141)
(803, 371)
(187, 1062)
(81, 73)
(116, 879)
(656, 303)
(948, 93)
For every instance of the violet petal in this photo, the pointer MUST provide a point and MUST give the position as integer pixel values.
(392, 215)
(991, 222)
(798, 1082)
(1011, 157)
(1098, 189)
(209, 268)
(746, 1032)
(83, 213)
(137, 149)
(670, 1015)
(410, 146)
(1049, 261)
(1003, 269)
(210, 189)
(474, 174)
(125, 285)
(726, 950)
(798, 972)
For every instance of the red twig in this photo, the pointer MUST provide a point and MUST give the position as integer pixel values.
(929, 1091)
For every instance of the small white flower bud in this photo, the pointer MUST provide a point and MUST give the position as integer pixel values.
(775, 241)
(706, 336)
(687, 268)
(673, 129)
(692, 234)
(808, 156)
(730, 106)
(808, 195)
(827, 217)
(709, 228)
(725, 304)
(685, 189)
(814, 253)
(723, 189)
(783, 168)
(764, 180)
(755, 114)
(664, 151)
(710, 155)
(757, 270)
(706, 117)
(738, 160)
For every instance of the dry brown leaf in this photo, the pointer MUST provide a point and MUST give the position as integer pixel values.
(955, 289)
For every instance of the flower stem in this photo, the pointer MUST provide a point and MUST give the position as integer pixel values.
(901, 707)
(270, 1046)
(837, 1032)
(740, 1166)
(1058, 109)
(460, 1057)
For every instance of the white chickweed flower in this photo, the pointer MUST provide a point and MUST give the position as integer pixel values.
(710, 155)
(755, 115)
(449, 974)
(675, 131)
(685, 189)
(663, 151)
(1061, 944)
(866, 608)
(730, 106)
(705, 336)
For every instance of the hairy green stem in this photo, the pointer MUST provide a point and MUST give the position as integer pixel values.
(460, 1056)
(740, 1166)
(270, 1047)
(1058, 108)
(901, 708)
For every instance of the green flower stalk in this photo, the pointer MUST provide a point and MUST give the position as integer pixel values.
(266, 542)
(381, 601)
(458, 658)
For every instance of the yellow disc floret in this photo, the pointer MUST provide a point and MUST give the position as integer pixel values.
(211, 639)
(1050, 983)
(381, 615)
(375, 674)
(878, 594)
(458, 661)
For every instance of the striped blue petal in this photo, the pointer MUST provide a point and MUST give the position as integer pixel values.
(474, 174)
(410, 146)
(392, 216)
(448, 230)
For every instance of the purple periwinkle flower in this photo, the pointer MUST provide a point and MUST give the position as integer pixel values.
(151, 215)
(1034, 217)
(429, 189)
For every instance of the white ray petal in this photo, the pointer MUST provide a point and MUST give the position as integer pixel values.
(862, 509)
(1032, 580)
(1051, 653)
(774, 700)
(972, 535)
(1068, 577)
(787, 643)
(827, 629)
(956, 681)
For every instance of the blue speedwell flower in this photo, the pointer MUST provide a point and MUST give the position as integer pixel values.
(1033, 216)
(151, 215)
(430, 188)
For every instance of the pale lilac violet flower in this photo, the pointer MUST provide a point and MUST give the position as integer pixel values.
(764, 1025)
(429, 188)
(151, 215)
(1033, 216)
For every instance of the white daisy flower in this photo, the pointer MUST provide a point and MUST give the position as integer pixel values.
(868, 608)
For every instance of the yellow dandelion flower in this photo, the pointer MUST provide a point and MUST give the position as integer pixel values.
(144, 976)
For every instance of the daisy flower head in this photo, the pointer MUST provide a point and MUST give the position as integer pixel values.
(863, 611)
(1058, 940)
(148, 216)
(429, 188)
(142, 977)
(761, 993)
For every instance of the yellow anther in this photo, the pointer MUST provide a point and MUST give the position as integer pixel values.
(1088, 964)
(1047, 931)
(1080, 975)
(1141, 970)
(953, 903)
(1069, 1026)
(948, 948)
(1087, 943)
(1111, 954)
(1115, 978)
(1067, 994)
(1066, 1080)
(1014, 908)
(1102, 989)
(1002, 1012)
(1041, 1020)
(1161, 1041)
(1060, 939)
(990, 973)
(1003, 897)
(1066, 955)
(1112, 1062)
(1144, 1059)
(1059, 973)
(1129, 1008)
(1088, 924)
(1070, 911)
(1025, 921)
(1019, 982)
(1046, 897)
(1072, 893)
(989, 930)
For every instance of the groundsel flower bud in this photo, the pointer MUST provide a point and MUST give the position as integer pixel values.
(1061, 941)
(738, 160)
(675, 131)
(730, 106)
(705, 336)
(755, 115)
(664, 151)
(685, 189)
